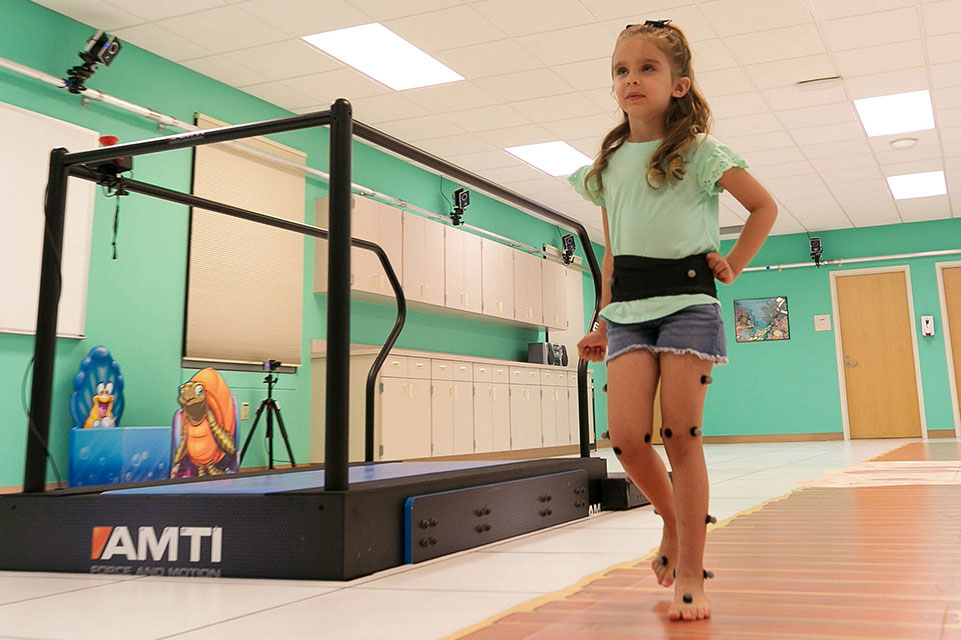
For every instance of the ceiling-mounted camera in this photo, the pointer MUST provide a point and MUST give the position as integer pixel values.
(461, 200)
(569, 246)
(816, 251)
(102, 48)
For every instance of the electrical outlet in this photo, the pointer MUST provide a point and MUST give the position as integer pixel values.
(245, 411)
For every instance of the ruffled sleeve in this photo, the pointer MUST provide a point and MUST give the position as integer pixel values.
(577, 181)
(713, 159)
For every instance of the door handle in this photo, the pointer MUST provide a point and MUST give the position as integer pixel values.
(851, 364)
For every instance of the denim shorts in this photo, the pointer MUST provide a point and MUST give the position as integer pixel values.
(698, 330)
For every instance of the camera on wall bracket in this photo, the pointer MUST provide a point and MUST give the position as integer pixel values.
(567, 241)
(461, 201)
(816, 251)
(102, 48)
(271, 365)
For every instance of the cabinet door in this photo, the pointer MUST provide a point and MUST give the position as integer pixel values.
(555, 294)
(463, 414)
(563, 413)
(417, 423)
(473, 278)
(483, 418)
(497, 279)
(454, 268)
(501, 416)
(423, 259)
(525, 417)
(548, 416)
(394, 398)
(528, 297)
(442, 418)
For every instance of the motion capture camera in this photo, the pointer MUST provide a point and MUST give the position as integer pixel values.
(271, 365)
(102, 48)
(461, 201)
(816, 251)
(568, 242)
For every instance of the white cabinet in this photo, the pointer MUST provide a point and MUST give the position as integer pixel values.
(452, 410)
(528, 293)
(403, 425)
(462, 270)
(555, 412)
(423, 260)
(373, 221)
(525, 392)
(492, 411)
(574, 421)
(497, 267)
(554, 281)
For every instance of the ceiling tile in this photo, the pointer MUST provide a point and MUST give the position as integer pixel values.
(709, 55)
(162, 42)
(882, 84)
(282, 60)
(223, 29)
(949, 117)
(281, 95)
(916, 166)
(732, 17)
(451, 145)
(545, 184)
(839, 148)
(946, 75)
(759, 141)
(576, 44)
(588, 146)
(722, 82)
(828, 165)
(884, 57)
(819, 115)
(224, 70)
(946, 48)
(519, 172)
(866, 202)
(488, 59)
(483, 160)
(96, 13)
(516, 136)
(389, 9)
(417, 129)
(340, 83)
(586, 75)
(305, 17)
(951, 134)
(445, 29)
(946, 98)
(872, 29)
(450, 97)
(525, 85)
(746, 125)
(927, 138)
(784, 73)
(793, 182)
(766, 172)
(855, 187)
(776, 44)
(495, 116)
(738, 104)
(899, 156)
(151, 10)
(774, 156)
(781, 98)
(941, 17)
(607, 9)
(688, 18)
(605, 101)
(930, 208)
(386, 107)
(832, 9)
(853, 174)
(534, 16)
(786, 225)
(875, 217)
(573, 128)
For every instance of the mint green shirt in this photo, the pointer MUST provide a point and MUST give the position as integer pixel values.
(674, 221)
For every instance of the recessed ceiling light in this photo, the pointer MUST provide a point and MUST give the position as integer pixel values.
(904, 143)
(378, 52)
(917, 185)
(554, 158)
(896, 113)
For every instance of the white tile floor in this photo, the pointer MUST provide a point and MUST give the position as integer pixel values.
(428, 600)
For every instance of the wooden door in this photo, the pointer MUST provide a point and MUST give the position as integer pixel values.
(879, 372)
(952, 296)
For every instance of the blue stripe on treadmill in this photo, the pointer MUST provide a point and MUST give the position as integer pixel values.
(297, 480)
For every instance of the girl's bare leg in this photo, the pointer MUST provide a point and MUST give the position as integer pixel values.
(682, 408)
(631, 385)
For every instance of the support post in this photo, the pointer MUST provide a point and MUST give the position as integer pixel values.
(338, 299)
(45, 342)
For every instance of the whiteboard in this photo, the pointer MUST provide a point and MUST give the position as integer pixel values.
(28, 138)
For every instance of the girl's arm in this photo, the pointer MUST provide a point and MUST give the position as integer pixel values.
(763, 211)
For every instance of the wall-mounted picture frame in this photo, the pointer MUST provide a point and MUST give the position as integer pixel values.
(761, 319)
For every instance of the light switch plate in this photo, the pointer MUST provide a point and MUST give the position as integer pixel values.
(822, 323)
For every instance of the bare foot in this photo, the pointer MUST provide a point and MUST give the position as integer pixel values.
(698, 608)
(666, 558)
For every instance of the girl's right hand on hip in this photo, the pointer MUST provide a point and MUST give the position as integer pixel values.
(593, 346)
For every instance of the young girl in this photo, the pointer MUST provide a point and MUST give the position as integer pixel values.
(656, 179)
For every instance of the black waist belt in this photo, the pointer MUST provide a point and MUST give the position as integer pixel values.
(637, 277)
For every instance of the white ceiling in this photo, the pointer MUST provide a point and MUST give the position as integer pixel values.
(538, 70)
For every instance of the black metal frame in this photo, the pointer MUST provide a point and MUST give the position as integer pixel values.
(342, 129)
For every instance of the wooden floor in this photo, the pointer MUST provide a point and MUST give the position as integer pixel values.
(861, 562)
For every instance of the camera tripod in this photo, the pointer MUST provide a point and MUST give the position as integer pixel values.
(273, 410)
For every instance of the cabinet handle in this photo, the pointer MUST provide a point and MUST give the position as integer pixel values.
(500, 307)
(410, 391)
(527, 395)
(462, 299)
(490, 393)
(419, 365)
(466, 299)
(450, 391)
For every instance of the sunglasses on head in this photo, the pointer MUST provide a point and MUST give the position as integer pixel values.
(660, 24)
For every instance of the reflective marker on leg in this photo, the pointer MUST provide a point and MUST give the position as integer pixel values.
(688, 598)
(695, 431)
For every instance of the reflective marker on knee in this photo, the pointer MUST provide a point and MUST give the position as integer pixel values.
(667, 433)
(708, 574)
(606, 435)
(617, 451)
(647, 437)
(706, 379)
(711, 519)
(695, 431)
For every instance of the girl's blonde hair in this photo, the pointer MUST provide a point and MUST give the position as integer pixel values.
(686, 116)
